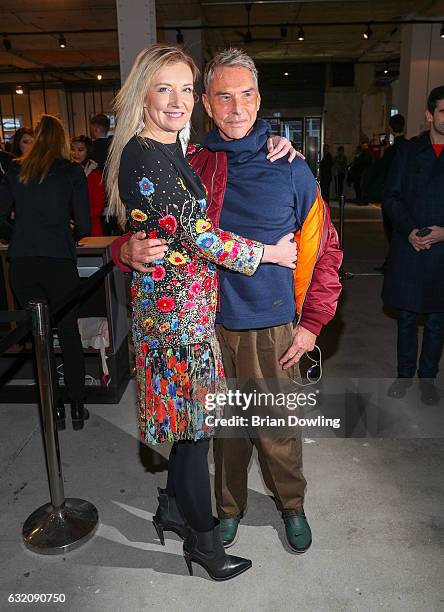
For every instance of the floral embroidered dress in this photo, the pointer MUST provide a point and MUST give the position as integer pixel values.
(178, 359)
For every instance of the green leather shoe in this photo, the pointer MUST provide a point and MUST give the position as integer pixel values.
(228, 530)
(298, 531)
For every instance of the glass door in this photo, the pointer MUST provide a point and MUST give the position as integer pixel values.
(294, 131)
(312, 148)
(305, 133)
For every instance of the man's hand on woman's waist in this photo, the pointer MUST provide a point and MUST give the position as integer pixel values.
(139, 251)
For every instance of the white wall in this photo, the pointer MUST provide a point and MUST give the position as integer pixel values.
(422, 69)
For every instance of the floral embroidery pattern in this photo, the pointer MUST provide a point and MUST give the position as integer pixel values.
(138, 215)
(168, 223)
(177, 259)
(195, 288)
(146, 186)
(191, 269)
(174, 307)
(172, 389)
(147, 284)
(202, 225)
(158, 273)
(165, 304)
(206, 240)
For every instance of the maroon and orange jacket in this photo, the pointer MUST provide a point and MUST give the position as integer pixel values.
(316, 281)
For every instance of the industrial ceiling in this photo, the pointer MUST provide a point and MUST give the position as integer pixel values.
(332, 30)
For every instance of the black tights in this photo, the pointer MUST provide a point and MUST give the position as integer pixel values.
(189, 482)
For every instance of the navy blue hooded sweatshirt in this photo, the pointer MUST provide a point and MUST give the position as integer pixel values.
(263, 201)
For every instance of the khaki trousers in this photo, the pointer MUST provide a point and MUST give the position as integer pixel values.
(254, 354)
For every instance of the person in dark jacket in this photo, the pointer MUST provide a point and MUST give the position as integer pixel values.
(358, 169)
(381, 169)
(339, 170)
(99, 128)
(5, 162)
(414, 280)
(397, 125)
(6, 225)
(326, 173)
(46, 190)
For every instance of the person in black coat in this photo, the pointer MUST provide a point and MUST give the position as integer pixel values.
(326, 173)
(5, 226)
(46, 191)
(381, 169)
(5, 162)
(99, 128)
(397, 125)
(414, 280)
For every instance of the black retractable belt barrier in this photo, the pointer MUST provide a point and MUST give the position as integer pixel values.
(62, 524)
(343, 275)
(21, 331)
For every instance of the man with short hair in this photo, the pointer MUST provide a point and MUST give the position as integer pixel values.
(265, 326)
(380, 172)
(414, 280)
(99, 128)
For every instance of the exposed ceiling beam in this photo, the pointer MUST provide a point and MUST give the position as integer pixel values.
(243, 25)
(236, 2)
(57, 69)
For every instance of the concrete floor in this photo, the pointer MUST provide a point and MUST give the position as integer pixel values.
(375, 504)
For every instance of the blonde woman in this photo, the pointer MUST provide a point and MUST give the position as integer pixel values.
(45, 188)
(152, 186)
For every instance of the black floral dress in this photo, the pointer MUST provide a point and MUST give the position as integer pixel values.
(178, 359)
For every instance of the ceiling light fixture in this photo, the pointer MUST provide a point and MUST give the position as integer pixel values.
(368, 32)
(179, 37)
(285, 73)
(62, 41)
(442, 31)
(7, 44)
(19, 90)
(301, 33)
(386, 69)
(99, 77)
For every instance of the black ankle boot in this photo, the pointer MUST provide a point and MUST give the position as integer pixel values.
(205, 548)
(168, 517)
(60, 415)
(79, 414)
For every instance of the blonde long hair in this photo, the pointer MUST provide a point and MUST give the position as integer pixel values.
(128, 108)
(50, 143)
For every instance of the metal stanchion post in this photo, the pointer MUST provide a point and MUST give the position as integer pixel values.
(342, 274)
(62, 524)
(341, 220)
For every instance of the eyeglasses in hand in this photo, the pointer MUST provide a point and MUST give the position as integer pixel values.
(314, 371)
